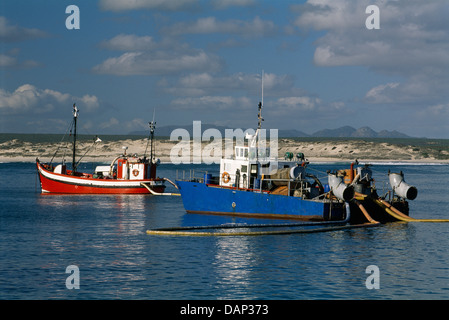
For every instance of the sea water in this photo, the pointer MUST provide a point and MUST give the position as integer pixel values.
(43, 238)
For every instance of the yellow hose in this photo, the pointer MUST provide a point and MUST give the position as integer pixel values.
(392, 211)
(365, 213)
(256, 233)
(183, 231)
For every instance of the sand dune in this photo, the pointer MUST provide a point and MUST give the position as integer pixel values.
(331, 150)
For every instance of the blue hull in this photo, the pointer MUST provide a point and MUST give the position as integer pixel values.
(202, 198)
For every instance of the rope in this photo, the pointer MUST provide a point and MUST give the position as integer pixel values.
(63, 137)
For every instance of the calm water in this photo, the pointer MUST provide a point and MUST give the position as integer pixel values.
(40, 235)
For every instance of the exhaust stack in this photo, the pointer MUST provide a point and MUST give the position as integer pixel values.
(339, 188)
(401, 188)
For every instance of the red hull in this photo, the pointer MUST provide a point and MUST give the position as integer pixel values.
(60, 183)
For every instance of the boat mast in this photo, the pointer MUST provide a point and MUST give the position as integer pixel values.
(152, 127)
(75, 116)
(259, 125)
(259, 116)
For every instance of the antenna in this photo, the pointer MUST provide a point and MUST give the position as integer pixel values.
(259, 116)
(153, 123)
(262, 88)
(75, 116)
(152, 127)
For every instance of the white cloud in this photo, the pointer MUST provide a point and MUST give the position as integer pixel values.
(7, 61)
(29, 98)
(304, 109)
(412, 37)
(125, 5)
(439, 110)
(412, 45)
(213, 102)
(147, 63)
(255, 28)
(111, 123)
(200, 84)
(89, 101)
(129, 42)
(299, 103)
(417, 91)
(14, 33)
(382, 93)
(331, 14)
(223, 4)
(144, 56)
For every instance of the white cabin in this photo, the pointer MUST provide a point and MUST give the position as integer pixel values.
(248, 165)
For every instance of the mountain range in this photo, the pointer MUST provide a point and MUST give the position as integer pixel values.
(342, 132)
(363, 132)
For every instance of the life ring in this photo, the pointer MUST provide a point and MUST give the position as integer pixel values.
(225, 177)
(135, 172)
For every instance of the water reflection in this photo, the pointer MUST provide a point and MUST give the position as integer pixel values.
(105, 236)
(234, 260)
(100, 234)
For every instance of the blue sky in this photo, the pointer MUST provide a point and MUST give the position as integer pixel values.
(202, 60)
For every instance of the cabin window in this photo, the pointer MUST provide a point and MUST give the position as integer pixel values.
(254, 169)
(246, 152)
(244, 169)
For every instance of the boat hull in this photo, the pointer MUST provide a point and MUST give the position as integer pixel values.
(210, 199)
(65, 184)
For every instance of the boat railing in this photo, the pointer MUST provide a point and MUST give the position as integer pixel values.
(192, 176)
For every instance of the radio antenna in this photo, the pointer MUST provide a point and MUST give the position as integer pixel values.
(260, 108)
(262, 88)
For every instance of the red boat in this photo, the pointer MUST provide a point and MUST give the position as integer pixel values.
(125, 175)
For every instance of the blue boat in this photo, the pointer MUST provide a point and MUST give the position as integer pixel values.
(199, 197)
(254, 183)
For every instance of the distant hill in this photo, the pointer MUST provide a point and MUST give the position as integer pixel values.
(342, 132)
(166, 131)
(335, 133)
(363, 132)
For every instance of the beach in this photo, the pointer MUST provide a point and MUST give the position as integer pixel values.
(317, 150)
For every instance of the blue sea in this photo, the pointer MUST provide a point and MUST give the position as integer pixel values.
(104, 238)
